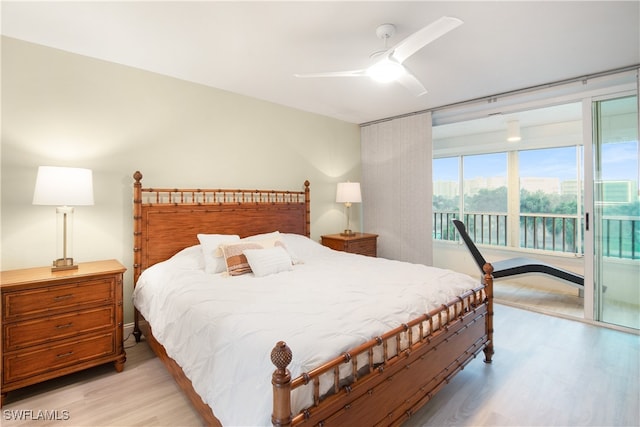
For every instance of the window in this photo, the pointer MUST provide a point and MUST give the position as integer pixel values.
(446, 197)
(549, 192)
(485, 197)
(526, 194)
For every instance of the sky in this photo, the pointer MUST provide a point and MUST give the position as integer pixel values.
(619, 162)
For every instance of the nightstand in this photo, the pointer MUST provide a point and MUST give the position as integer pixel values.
(359, 243)
(55, 323)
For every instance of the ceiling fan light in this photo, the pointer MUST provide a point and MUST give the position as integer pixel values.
(385, 71)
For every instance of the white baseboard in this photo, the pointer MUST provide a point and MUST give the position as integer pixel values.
(127, 330)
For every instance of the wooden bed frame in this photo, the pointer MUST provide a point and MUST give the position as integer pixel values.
(418, 358)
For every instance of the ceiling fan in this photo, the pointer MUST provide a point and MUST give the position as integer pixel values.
(387, 64)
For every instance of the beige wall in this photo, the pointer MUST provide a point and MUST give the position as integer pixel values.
(63, 109)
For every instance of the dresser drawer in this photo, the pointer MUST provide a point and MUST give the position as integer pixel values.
(57, 299)
(24, 364)
(40, 331)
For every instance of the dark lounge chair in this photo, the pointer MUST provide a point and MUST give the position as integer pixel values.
(515, 266)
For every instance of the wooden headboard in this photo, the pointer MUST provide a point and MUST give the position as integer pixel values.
(167, 220)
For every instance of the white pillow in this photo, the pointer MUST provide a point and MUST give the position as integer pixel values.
(263, 236)
(235, 259)
(213, 258)
(277, 236)
(268, 261)
(301, 247)
(189, 258)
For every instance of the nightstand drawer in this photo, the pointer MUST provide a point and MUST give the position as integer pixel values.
(363, 247)
(50, 300)
(25, 364)
(336, 245)
(40, 331)
(357, 243)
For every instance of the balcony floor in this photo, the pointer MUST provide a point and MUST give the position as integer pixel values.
(561, 301)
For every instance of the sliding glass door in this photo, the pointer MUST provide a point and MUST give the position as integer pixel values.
(616, 212)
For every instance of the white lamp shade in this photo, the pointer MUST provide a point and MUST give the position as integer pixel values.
(348, 192)
(60, 186)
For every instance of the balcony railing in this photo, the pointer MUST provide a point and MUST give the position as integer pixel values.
(443, 228)
(550, 232)
(620, 235)
(487, 228)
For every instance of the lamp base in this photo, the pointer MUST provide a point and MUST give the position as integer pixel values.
(348, 233)
(64, 264)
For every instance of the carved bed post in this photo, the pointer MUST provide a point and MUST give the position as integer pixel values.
(281, 380)
(307, 202)
(488, 280)
(137, 243)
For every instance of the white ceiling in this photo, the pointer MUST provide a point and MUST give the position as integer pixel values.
(254, 48)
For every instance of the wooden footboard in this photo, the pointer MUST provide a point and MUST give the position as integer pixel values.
(417, 359)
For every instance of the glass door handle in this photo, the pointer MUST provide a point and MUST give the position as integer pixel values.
(586, 221)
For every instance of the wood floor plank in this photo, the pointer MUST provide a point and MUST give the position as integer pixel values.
(547, 371)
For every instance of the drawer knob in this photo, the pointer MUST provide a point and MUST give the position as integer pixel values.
(62, 297)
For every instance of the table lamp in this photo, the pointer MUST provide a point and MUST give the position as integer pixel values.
(63, 187)
(348, 193)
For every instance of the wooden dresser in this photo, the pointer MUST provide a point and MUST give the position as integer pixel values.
(359, 243)
(55, 323)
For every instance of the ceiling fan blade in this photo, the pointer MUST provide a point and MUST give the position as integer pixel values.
(352, 73)
(423, 37)
(414, 85)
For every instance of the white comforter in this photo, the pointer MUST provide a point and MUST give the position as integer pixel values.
(221, 329)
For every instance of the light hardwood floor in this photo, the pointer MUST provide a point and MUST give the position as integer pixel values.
(547, 371)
